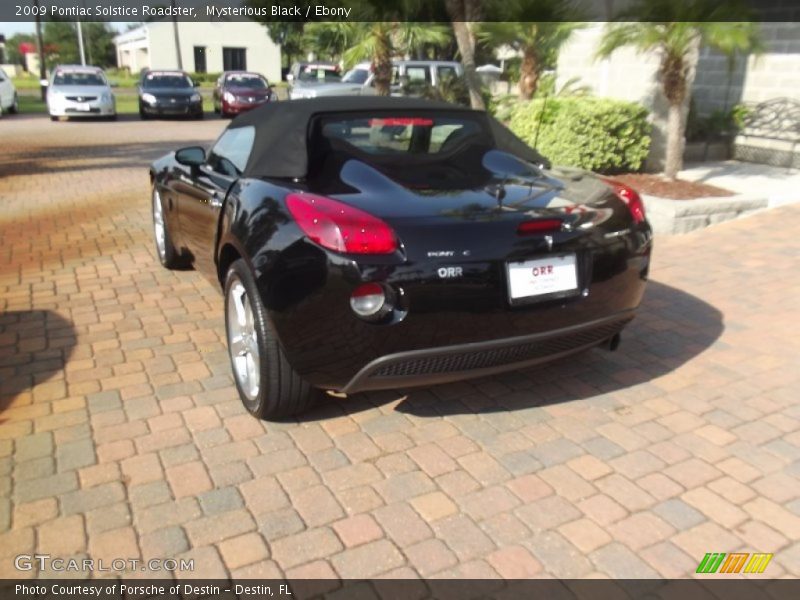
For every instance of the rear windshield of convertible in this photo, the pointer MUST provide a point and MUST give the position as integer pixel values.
(404, 134)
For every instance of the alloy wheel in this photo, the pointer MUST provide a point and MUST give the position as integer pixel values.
(243, 340)
(158, 225)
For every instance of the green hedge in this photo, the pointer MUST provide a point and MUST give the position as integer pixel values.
(599, 134)
(204, 77)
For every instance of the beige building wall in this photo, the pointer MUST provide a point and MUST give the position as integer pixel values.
(776, 73)
(631, 76)
(625, 76)
(773, 74)
(154, 44)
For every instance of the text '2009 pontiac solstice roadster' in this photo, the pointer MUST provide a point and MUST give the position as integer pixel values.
(375, 243)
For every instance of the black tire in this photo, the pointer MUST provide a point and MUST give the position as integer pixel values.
(143, 115)
(171, 258)
(54, 119)
(14, 108)
(281, 392)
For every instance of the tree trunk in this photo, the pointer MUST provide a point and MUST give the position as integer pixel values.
(675, 142)
(461, 12)
(528, 74)
(466, 47)
(677, 75)
(382, 61)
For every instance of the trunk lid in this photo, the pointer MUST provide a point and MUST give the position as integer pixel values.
(481, 222)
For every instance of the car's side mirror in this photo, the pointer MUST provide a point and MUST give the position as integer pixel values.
(193, 156)
(195, 84)
(113, 84)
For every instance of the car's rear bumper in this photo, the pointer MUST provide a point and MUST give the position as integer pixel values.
(433, 366)
(307, 296)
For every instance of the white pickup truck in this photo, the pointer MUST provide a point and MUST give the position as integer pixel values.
(360, 80)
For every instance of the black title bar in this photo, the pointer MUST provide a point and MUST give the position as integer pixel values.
(400, 10)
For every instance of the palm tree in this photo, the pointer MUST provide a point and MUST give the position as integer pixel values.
(676, 42)
(289, 36)
(464, 15)
(380, 41)
(537, 42)
(324, 41)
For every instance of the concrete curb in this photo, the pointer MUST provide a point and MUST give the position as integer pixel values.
(682, 216)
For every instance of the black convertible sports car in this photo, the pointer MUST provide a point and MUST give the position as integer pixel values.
(368, 243)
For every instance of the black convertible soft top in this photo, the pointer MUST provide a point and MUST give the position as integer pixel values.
(280, 148)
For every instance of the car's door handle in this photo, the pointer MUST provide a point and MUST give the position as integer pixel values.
(216, 199)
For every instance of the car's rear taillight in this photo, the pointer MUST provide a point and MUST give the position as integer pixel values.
(539, 226)
(630, 197)
(340, 227)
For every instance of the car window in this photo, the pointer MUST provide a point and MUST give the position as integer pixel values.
(392, 135)
(418, 73)
(167, 80)
(318, 73)
(446, 72)
(78, 78)
(253, 82)
(230, 154)
(356, 76)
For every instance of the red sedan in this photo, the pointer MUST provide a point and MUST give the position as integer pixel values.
(239, 91)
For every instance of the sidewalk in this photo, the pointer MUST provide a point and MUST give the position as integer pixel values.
(778, 185)
(753, 188)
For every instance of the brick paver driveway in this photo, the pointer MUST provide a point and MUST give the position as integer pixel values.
(121, 434)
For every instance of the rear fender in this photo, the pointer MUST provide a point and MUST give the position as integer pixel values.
(255, 222)
(225, 238)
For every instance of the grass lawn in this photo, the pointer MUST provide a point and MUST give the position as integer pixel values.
(31, 82)
(127, 101)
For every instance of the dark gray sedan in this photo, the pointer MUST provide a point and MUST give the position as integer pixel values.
(169, 94)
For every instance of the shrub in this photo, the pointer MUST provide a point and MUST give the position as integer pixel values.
(720, 125)
(599, 134)
(204, 77)
(452, 89)
(502, 106)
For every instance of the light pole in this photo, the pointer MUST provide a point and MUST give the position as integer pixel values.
(40, 48)
(80, 44)
(88, 40)
(175, 32)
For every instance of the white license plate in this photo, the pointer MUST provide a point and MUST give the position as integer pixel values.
(83, 107)
(542, 276)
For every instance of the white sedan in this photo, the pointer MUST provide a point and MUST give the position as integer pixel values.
(77, 91)
(8, 94)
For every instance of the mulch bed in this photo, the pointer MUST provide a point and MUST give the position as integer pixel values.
(657, 185)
